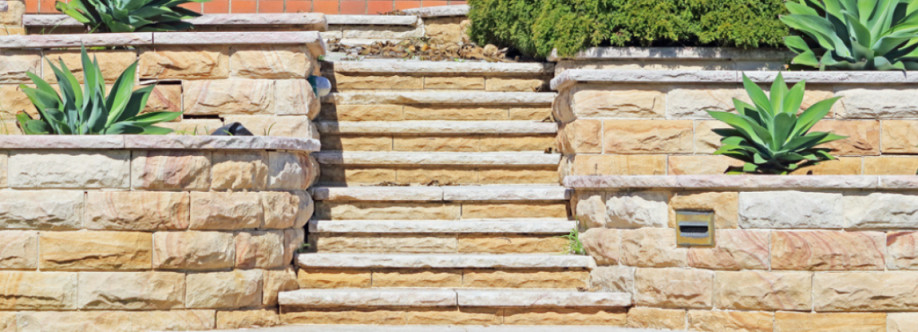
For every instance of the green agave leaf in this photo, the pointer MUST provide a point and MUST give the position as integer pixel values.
(741, 123)
(757, 95)
(777, 94)
(120, 95)
(154, 117)
(784, 125)
(812, 115)
(136, 104)
(796, 44)
(795, 98)
(806, 59)
(123, 128)
(153, 130)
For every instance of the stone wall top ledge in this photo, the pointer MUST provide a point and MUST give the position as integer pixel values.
(743, 182)
(599, 76)
(309, 21)
(372, 20)
(149, 142)
(674, 53)
(439, 11)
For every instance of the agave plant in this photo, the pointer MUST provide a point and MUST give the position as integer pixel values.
(854, 34)
(770, 137)
(90, 111)
(130, 15)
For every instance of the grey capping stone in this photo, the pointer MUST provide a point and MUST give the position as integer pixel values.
(75, 40)
(155, 142)
(541, 298)
(438, 126)
(311, 21)
(443, 67)
(368, 298)
(444, 261)
(371, 19)
(724, 182)
(439, 11)
(437, 158)
(459, 193)
(489, 226)
(440, 98)
(674, 53)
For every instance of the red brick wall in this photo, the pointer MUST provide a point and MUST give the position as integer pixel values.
(285, 6)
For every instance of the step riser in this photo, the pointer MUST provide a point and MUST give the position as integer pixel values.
(345, 175)
(434, 143)
(436, 211)
(456, 316)
(445, 278)
(401, 81)
(389, 112)
(444, 243)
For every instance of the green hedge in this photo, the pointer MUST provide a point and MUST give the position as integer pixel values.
(535, 27)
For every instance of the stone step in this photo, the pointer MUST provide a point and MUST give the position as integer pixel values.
(340, 175)
(472, 98)
(433, 298)
(416, 159)
(440, 143)
(443, 68)
(441, 328)
(480, 226)
(443, 261)
(438, 128)
(462, 210)
(485, 193)
(431, 112)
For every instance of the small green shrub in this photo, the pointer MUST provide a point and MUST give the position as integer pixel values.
(574, 246)
(130, 15)
(854, 35)
(770, 137)
(87, 112)
(536, 27)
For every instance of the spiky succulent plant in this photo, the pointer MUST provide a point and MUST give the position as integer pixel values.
(854, 34)
(130, 15)
(769, 136)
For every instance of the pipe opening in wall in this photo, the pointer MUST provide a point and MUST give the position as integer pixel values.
(695, 228)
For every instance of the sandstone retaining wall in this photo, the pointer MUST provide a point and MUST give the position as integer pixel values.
(130, 233)
(637, 122)
(673, 58)
(792, 253)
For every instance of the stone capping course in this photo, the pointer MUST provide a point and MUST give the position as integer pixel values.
(445, 194)
(396, 66)
(427, 297)
(412, 127)
(439, 11)
(444, 261)
(570, 77)
(151, 142)
(744, 182)
(371, 20)
(312, 21)
(674, 53)
(467, 226)
(311, 39)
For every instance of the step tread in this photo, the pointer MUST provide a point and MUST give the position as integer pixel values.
(450, 261)
(418, 67)
(448, 193)
(442, 328)
(440, 97)
(481, 226)
(438, 127)
(416, 158)
(450, 297)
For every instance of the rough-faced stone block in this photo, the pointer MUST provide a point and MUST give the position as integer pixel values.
(269, 125)
(735, 250)
(18, 250)
(15, 64)
(246, 319)
(563, 316)
(901, 322)
(38, 290)
(293, 241)
(239, 170)
(165, 98)
(716, 321)
(131, 290)
(647, 136)
(259, 250)
(46, 209)
(523, 279)
(673, 288)
(13, 102)
(897, 165)
(93, 250)
(827, 250)
(111, 62)
(619, 102)
(603, 244)
(591, 212)
(185, 62)
(863, 137)
(652, 247)
(65, 169)
(390, 82)
(790, 209)
(417, 279)
(798, 321)
(291, 171)
(170, 170)
(178, 320)
(723, 204)
(902, 251)
(618, 165)
(693, 102)
(762, 290)
(866, 291)
(232, 96)
(226, 211)
(193, 250)
(706, 140)
(654, 318)
(881, 210)
(581, 136)
(193, 127)
(612, 279)
(270, 62)
(878, 103)
(636, 210)
(295, 97)
(700, 164)
(840, 166)
(11, 12)
(224, 290)
(277, 281)
(514, 84)
(282, 209)
(899, 136)
(136, 210)
(326, 278)
(365, 211)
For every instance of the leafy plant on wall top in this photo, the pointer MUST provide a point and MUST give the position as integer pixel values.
(130, 15)
(854, 34)
(90, 111)
(770, 136)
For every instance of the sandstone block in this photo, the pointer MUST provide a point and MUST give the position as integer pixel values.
(246, 319)
(165, 98)
(486, 211)
(362, 112)
(865, 291)
(706, 140)
(131, 290)
(136, 211)
(326, 278)
(3, 169)
(417, 279)
(735, 250)
(521, 143)
(878, 103)
(512, 244)
(111, 62)
(716, 321)
(232, 96)
(385, 211)
(514, 84)
(530, 113)
(46, 209)
(619, 102)
(561, 316)
(652, 247)
(693, 102)
(14, 101)
(15, 65)
(239, 170)
(881, 210)
(591, 212)
(451, 83)
(445, 176)
(395, 82)
(827, 250)
(65, 169)
(18, 250)
(259, 250)
(282, 210)
(295, 97)
(674, 288)
(367, 317)
(457, 113)
(293, 241)
(283, 126)
(400, 244)
(277, 281)
(612, 279)
(790, 209)
(899, 165)
(224, 290)
(724, 205)
(863, 137)
(449, 316)
(619, 165)
(523, 279)
(700, 164)
(899, 136)
(902, 251)
(647, 136)
(840, 166)
(270, 62)
(515, 176)
(761, 290)
(187, 62)
(581, 136)
(91, 250)
(193, 250)
(38, 290)
(226, 211)
(603, 244)
(798, 321)
(357, 143)
(12, 12)
(116, 321)
(636, 210)
(441, 144)
(170, 170)
(654, 318)
(193, 127)
(901, 322)
(291, 171)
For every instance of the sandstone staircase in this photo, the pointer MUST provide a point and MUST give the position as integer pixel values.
(439, 203)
